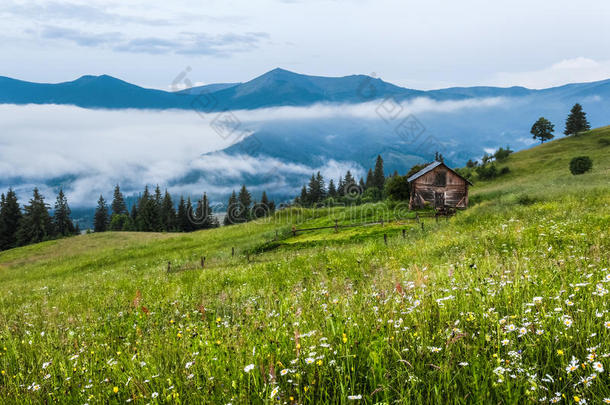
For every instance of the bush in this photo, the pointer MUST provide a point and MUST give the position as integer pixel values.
(580, 165)
(397, 188)
(502, 153)
(525, 199)
(504, 170)
(604, 141)
(487, 172)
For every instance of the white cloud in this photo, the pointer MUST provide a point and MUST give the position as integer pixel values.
(573, 70)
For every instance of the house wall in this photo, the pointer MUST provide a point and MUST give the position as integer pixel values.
(454, 192)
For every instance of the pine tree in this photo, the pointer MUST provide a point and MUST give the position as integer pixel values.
(118, 202)
(10, 216)
(149, 218)
(332, 190)
(134, 212)
(378, 174)
(233, 210)
(542, 129)
(61, 217)
(245, 200)
(576, 121)
(361, 184)
(101, 219)
(313, 190)
(36, 224)
(204, 217)
(168, 215)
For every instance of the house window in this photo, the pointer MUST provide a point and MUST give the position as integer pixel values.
(440, 179)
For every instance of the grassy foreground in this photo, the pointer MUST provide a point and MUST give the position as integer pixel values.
(505, 303)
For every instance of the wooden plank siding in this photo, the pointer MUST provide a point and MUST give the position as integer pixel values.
(440, 187)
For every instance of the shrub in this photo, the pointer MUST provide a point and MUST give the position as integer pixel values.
(504, 170)
(487, 172)
(525, 199)
(502, 153)
(580, 165)
(604, 141)
(397, 188)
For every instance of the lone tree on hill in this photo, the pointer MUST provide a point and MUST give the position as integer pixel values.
(543, 130)
(576, 121)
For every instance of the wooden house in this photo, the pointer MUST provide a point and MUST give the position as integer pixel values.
(438, 186)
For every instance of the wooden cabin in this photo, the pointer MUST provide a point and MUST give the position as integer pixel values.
(438, 186)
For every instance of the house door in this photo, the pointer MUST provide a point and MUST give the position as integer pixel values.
(439, 199)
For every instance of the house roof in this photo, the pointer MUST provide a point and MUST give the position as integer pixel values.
(431, 167)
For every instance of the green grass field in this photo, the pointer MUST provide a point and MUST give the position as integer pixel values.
(507, 302)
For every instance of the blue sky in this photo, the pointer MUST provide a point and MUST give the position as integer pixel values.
(416, 44)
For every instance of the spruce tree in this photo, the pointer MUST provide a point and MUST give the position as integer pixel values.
(245, 201)
(118, 202)
(369, 179)
(361, 184)
(168, 215)
(61, 217)
(10, 216)
(233, 210)
(576, 121)
(182, 219)
(341, 187)
(304, 198)
(149, 217)
(189, 226)
(378, 174)
(332, 190)
(101, 219)
(36, 224)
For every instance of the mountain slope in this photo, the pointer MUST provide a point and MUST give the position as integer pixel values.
(487, 307)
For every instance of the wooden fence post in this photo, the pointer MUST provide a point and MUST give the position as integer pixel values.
(422, 225)
(385, 239)
(232, 252)
(294, 231)
(436, 216)
(417, 217)
(169, 266)
(381, 220)
(275, 234)
(336, 226)
(404, 233)
(202, 261)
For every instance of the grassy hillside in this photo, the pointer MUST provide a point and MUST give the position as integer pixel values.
(505, 303)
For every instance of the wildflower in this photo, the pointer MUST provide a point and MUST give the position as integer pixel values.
(567, 322)
(354, 397)
(606, 400)
(607, 324)
(559, 352)
(309, 360)
(576, 398)
(573, 366)
(319, 362)
(2, 372)
(344, 338)
(537, 300)
(115, 389)
(434, 349)
(599, 367)
(539, 331)
(505, 342)
(511, 327)
(274, 392)
(249, 368)
(522, 331)
(45, 365)
(463, 363)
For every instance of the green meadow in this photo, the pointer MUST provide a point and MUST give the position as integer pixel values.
(506, 302)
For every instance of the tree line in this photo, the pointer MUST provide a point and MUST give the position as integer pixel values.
(34, 223)
(156, 212)
(346, 189)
